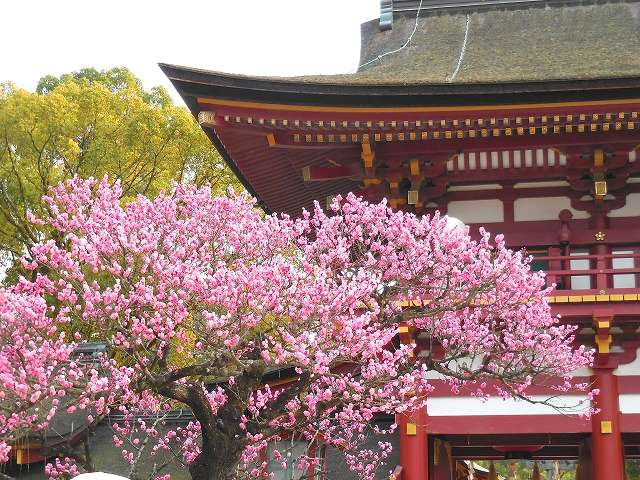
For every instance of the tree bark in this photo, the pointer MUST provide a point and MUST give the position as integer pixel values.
(221, 444)
(213, 464)
(222, 439)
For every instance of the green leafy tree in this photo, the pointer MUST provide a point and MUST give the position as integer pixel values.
(632, 467)
(93, 123)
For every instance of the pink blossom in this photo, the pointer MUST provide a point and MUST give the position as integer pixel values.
(274, 327)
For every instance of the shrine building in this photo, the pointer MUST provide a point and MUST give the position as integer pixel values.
(517, 115)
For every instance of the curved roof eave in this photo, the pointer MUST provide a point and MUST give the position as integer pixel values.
(338, 90)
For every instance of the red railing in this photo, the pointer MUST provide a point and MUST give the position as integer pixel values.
(594, 272)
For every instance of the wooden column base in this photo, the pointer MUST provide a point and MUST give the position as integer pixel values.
(414, 450)
(606, 438)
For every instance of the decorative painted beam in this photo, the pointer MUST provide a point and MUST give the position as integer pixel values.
(430, 146)
(586, 116)
(439, 137)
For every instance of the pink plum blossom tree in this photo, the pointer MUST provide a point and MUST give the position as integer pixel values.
(271, 329)
(36, 369)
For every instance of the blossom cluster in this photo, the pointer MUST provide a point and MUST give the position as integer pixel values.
(36, 367)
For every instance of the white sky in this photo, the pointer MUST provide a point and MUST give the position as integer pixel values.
(258, 37)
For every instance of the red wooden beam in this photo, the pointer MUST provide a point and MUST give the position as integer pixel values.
(499, 440)
(572, 142)
(627, 384)
(586, 310)
(549, 452)
(622, 231)
(504, 424)
(520, 424)
(497, 175)
(316, 173)
(305, 113)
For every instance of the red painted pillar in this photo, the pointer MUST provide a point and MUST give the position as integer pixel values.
(414, 449)
(599, 223)
(606, 438)
(603, 280)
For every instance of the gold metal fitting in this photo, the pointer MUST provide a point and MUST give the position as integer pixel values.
(600, 188)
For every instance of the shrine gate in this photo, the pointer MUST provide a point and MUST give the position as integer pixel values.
(521, 117)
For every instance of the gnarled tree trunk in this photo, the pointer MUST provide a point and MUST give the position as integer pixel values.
(222, 439)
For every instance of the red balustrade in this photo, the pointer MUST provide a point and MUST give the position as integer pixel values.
(602, 274)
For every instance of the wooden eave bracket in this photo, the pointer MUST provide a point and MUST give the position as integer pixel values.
(413, 195)
(599, 172)
(368, 157)
(602, 324)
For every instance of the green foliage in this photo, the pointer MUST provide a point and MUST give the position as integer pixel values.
(116, 79)
(93, 123)
(523, 470)
(632, 467)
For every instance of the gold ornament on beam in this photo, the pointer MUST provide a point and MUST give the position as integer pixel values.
(207, 119)
(600, 236)
(600, 189)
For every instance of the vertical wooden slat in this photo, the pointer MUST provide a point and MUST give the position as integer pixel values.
(473, 162)
(517, 159)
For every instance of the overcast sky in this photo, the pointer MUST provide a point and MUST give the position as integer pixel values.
(262, 37)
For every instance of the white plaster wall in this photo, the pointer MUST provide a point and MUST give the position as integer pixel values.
(623, 280)
(555, 183)
(630, 403)
(632, 368)
(473, 188)
(544, 208)
(580, 282)
(461, 406)
(581, 372)
(631, 209)
(477, 211)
